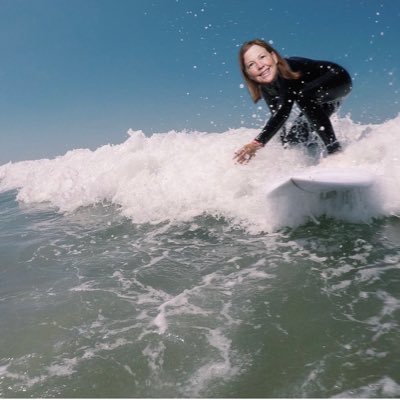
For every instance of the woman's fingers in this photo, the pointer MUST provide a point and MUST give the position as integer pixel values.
(242, 155)
(246, 153)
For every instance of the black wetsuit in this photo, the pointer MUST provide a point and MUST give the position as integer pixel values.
(318, 93)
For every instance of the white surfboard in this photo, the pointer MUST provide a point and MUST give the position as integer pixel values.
(324, 180)
(342, 193)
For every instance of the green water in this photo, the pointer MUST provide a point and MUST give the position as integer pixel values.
(95, 306)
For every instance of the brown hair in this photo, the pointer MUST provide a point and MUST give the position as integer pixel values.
(284, 69)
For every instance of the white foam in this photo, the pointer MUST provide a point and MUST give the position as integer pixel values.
(179, 175)
(385, 387)
(220, 368)
(177, 305)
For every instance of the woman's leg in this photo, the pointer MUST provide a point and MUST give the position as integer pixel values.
(298, 133)
(321, 102)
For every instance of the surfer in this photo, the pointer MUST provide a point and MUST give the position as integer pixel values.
(317, 87)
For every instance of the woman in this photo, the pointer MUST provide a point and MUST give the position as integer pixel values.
(317, 87)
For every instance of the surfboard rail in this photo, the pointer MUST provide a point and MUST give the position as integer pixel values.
(324, 180)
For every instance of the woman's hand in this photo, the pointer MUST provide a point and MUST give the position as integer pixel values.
(247, 152)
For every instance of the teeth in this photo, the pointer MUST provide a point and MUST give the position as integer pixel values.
(266, 72)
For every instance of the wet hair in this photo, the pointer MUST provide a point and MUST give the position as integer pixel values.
(284, 69)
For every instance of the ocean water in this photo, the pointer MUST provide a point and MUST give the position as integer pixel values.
(160, 268)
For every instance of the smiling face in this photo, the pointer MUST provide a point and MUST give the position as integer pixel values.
(261, 65)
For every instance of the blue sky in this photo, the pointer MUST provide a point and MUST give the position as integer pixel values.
(80, 73)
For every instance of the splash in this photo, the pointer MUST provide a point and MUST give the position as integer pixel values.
(177, 176)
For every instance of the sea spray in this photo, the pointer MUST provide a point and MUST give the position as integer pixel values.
(177, 176)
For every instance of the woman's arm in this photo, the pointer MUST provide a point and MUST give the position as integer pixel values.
(275, 122)
(248, 151)
(280, 105)
(280, 102)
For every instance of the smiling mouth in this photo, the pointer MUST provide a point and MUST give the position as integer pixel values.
(266, 72)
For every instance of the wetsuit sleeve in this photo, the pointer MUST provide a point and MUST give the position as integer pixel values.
(280, 112)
